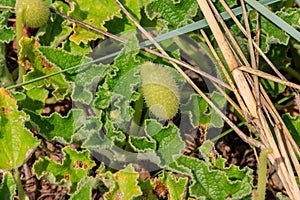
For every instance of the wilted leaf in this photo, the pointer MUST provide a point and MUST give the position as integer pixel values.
(74, 167)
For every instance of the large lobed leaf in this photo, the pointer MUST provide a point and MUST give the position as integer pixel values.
(205, 184)
(231, 181)
(15, 139)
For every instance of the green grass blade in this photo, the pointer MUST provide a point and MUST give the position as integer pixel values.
(275, 19)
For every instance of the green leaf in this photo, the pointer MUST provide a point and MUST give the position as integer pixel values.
(291, 16)
(125, 184)
(86, 82)
(84, 78)
(55, 127)
(56, 31)
(141, 144)
(84, 189)
(31, 58)
(8, 187)
(10, 3)
(15, 139)
(176, 186)
(293, 125)
(120, 24)
(275, 20)
(168, 139)
(60, 58)
(118, 91)
(7, 34)
(34, 100)
(147, 187)
(174, 13)
(207, 151)
(220, 101)
(81, 49)
(273, 88)
(274, 34)
(75, 166)
(95, 15)
(233, 172)
(205, 184)
(200, 112)
(86, 127)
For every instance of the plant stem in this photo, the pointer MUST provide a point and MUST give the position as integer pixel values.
(292, 72)
(19, 30)
(262, 175)
(137, 117)
(19, 184)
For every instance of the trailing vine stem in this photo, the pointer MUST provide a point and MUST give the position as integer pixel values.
(262, 175)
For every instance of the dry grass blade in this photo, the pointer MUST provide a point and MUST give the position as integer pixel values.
(269, 77)
(250, 90)
(259, 51)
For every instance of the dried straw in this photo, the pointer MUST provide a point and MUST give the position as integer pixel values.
(260, 110)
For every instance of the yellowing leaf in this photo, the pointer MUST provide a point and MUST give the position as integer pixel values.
(124, 186)
(15, 139)
(74, 167)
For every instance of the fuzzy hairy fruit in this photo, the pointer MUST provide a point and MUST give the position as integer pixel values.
(35, 13)
(160, 91)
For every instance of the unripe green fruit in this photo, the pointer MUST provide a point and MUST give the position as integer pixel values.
(160, 91)
(35, 13)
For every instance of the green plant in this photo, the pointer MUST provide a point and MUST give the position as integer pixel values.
(109, 119)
